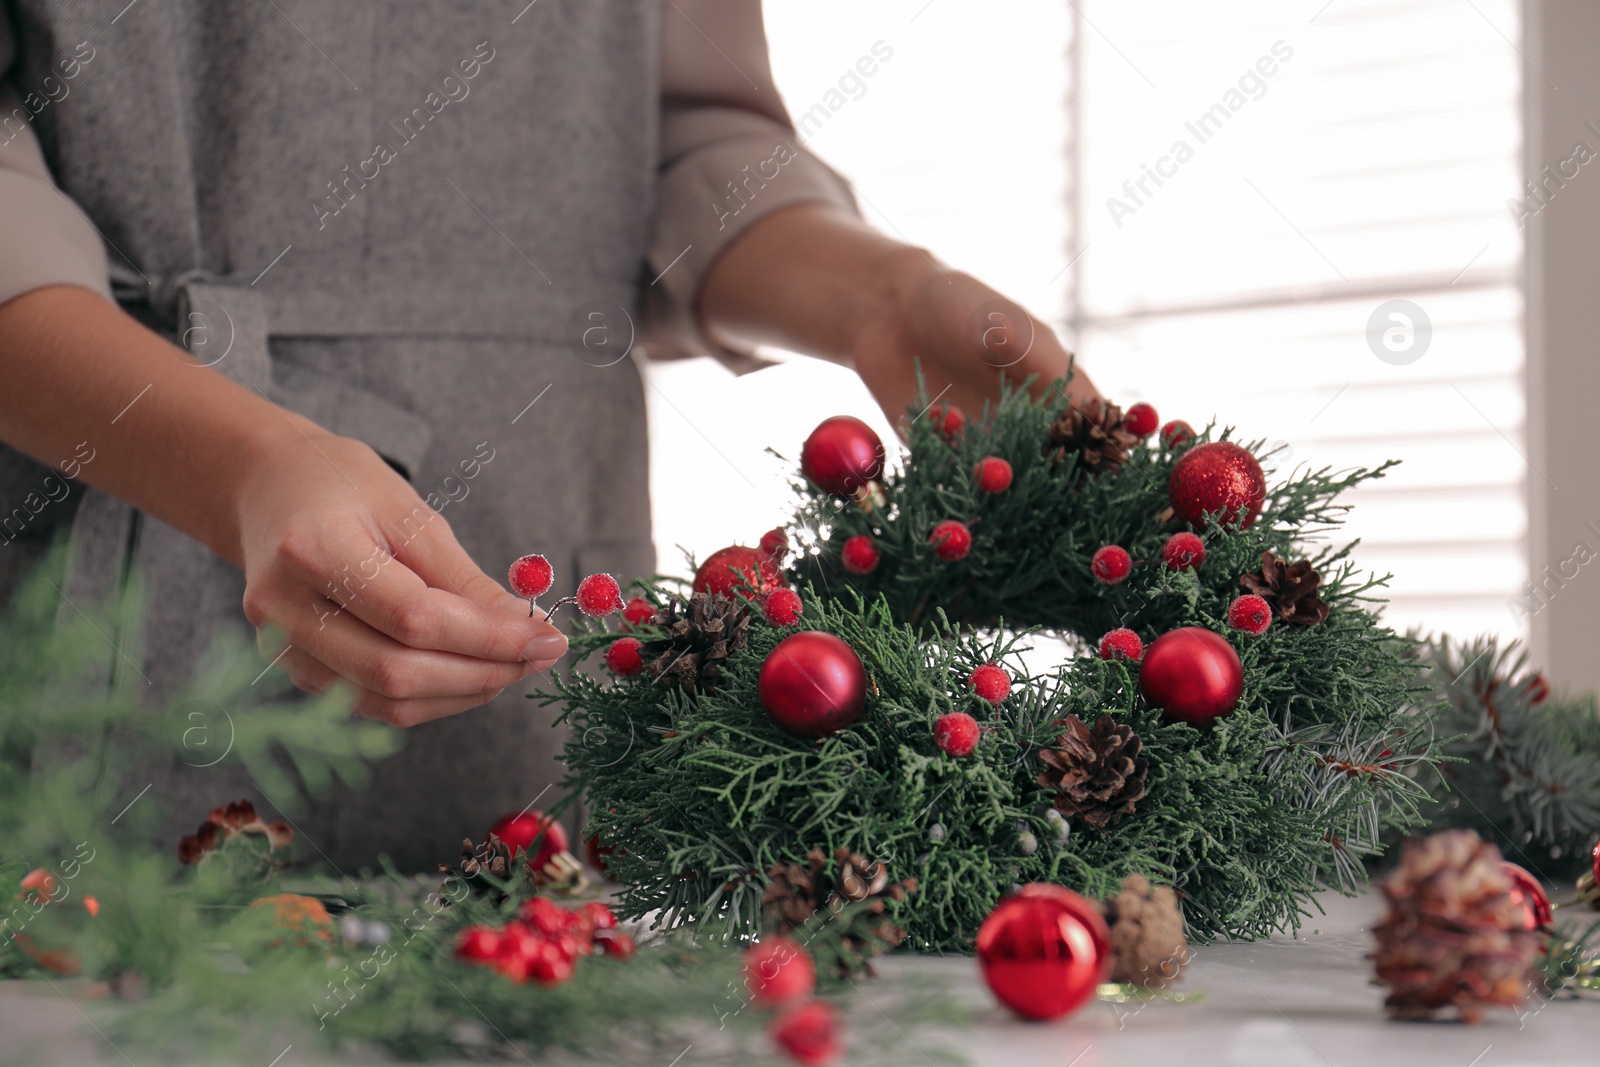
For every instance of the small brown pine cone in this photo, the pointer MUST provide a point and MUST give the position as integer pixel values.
(695, 639)
(1454, 938)
(1147, 941)
(1094, 432)
(1291, 589)
(1098, 775)
(493, 856)
(809, 900)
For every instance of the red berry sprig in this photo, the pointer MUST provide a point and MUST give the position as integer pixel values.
(530, 578)
(1250, 613)
(991, 682)
(782, 607)
(951, 540)
(1184, 551)
(624, 658)
(1111, 564)
(948, 419)
(599, 595)
(638, 612)
(809, 1034)
(779, 971)
(859, 555)
(543, 943)
(993, 475)
(956, 734)
(1122, 643)
(1175, 433)
(1141, 420)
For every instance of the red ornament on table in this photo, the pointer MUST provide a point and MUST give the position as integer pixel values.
(951, 540)
(638, 612)
(782, 607)
(1175, 433)
(956, 734)
(859, 555)
(993, 475)
(948, 419)
(842, 456)
(1183, 551)
(1538, 690)
(1192, 675)
(549, 860)
(991, 682)
(1121, 643)
(1111, 564)
(1536, 902)
(1044, 950)
(778, 970)
(775, 543)
(1141, 420)
(1217, 478)
(809, 1033)
(599, 596)
(623, 657)
(530, 577)
(1250, 613)
(812, 684)
(747, 572)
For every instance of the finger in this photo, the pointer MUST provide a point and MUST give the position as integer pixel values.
(405, 713)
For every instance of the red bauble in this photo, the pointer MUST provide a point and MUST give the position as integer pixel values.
(1250, 613)
(1217, 478)
(993, 475)
(1141, 420)
(521, 830)
(1538, 690)
(842, 456)
(1044, 950)
(1111, 564)
(1538, 912)
(809, 1033)
(991, 682)
(623, 657)
(530, 577)
(813, 684)
(951, 540)
(749, 572)
(779, 971)
(1192, 674)
(598, 855)
(859, 555)
(599, 596)
(775, 543)
(948, 419)
(782, 607)
(1183, 551)
(638, 612)
(1121, 643)
(957, 734)
(1176, 433)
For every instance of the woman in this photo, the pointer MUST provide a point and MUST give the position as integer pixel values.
(328, 302)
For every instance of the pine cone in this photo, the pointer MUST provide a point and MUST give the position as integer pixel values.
(838, 908)
(1094, 432)
(1098, 775)
(253, 848)
(696, 639)
(1291, 589)
(1147, 940)
(493, 856)
(1454, 936)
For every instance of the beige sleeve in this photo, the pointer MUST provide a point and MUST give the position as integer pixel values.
(729, 155)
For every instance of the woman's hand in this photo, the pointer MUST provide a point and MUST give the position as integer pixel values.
(353, 580)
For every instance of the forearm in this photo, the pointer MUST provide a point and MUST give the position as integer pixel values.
(169, 436)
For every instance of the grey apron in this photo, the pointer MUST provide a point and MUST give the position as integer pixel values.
(394, 219)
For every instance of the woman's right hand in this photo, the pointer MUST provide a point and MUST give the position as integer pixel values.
(353, 580)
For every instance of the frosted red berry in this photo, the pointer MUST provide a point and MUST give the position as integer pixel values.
(623, 657)
(1141, 420)
(1183, 551)
(809, 1034)
(1111, 564)
(478, 944)
(638, 612)
(993, 475)
(948, 419)
(778, 970)
(1122, 643)
(782, 607)
(951, 540)
(1176, 433)
(991, 682)
(530, 577)
(956, 734)
(775, 543)
(859, 555)
(1251, 614)
(599, 596)
(616, 944)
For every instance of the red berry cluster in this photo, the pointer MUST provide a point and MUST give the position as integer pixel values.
(779, 973)
(545, 941)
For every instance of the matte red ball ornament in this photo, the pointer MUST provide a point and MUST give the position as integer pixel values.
(1175, 433)
(1111, 564)
(1183, 551)
(1217, 478)
(522, 829)
(599, 596)
(737, 570)
(812, 684)
(991, 682)
(1192, 675)
(957, 734)
(1043, 951)
(778, 970)
(859, 555)
(1536, 902)
(530, 577)
(1121, 643)
(1250, 613)
(993, 475)
(842, 456)
(623, 657)
(782, 607)
(1141, 420)
(951, 540)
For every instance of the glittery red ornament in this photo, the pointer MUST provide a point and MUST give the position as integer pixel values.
(951, 540)
(809, 1034)
(623, 657)
(1217, 478)
(1121, 643)
(1043, 951)
(993, 475)
(638, 612)
(1183, 551)
(1251, 613)
(1538, 690)
(778, 970)
(530, 577)
(747, 572)
(1535, 900)
(599, 596)
(957, 734)
(775, 543)
(1140, 420)
(782, 607)
(991, 682)
(1192, 675)
(859, 555)
(812, 684)
(842, 456)
(1175, 433)
(1111, 564)
(948, 419)
(522, 829)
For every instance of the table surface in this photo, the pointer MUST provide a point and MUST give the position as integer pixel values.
(1305, 1002)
